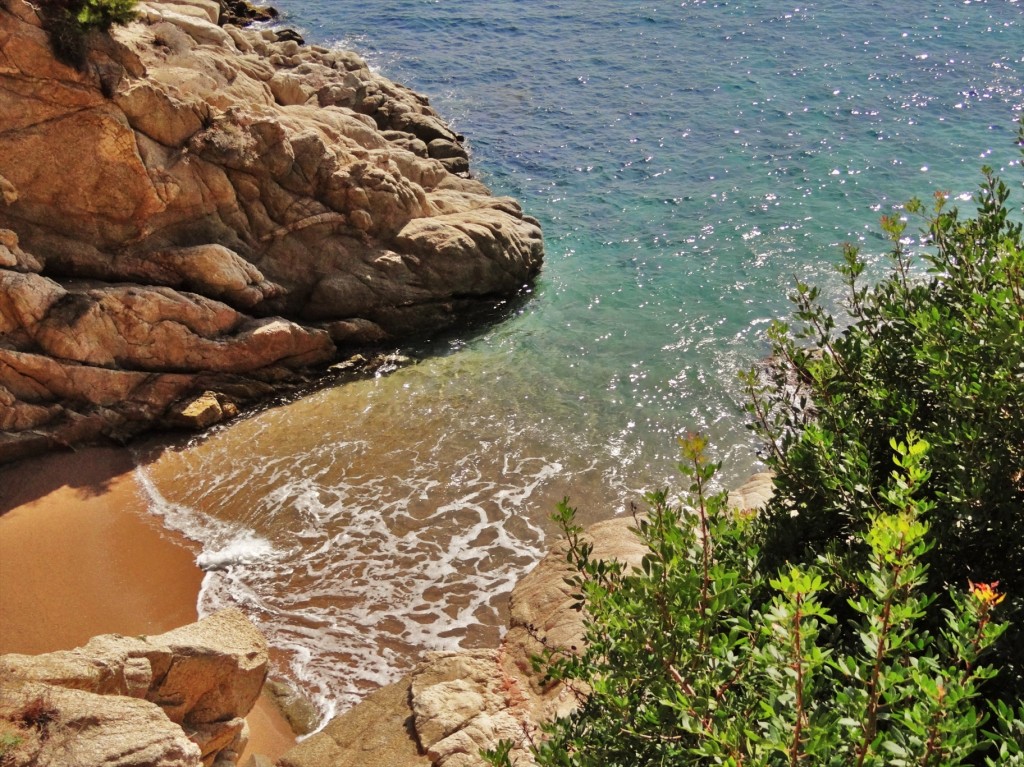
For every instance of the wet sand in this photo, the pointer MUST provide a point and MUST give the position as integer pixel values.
(79, 556)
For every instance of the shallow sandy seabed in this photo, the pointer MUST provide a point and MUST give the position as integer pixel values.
(79, 556)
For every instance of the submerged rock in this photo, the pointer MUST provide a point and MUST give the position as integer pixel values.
(211, 208)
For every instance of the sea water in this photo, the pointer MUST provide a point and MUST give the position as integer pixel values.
(688, 161)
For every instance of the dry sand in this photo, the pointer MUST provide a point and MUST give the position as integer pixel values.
(80, 556)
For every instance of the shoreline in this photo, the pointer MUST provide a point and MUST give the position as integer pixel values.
(80, 555)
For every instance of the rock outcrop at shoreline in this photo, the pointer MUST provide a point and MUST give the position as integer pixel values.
(206, 208)
(174, 700)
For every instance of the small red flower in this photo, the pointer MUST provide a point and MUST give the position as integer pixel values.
(986, 593)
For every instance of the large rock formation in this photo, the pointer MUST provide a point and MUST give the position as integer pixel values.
(209, 208)
(455, 704)
(174, 700)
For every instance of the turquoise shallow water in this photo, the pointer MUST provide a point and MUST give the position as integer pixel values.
(686, 159)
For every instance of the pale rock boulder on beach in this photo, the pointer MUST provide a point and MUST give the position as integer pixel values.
(175, 700)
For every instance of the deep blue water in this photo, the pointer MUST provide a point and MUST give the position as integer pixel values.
(686, 160)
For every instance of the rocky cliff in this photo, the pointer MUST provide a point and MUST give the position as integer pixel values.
(174, 700)
(200, 207)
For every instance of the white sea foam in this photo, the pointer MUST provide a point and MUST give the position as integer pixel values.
(245, 548)
(350, 571)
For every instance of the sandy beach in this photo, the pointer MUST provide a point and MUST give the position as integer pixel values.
(79, 556)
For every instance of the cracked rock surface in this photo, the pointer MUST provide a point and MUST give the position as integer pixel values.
(206, 208)
(178, 699)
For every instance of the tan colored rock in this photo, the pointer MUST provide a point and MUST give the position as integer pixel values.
(376, 733)
(156, 329)
(77, 402)
(752, 494)
(38, 378)
(38, 88)
(16, 415)
(107, 665)
(406, 141)
(450, 691)
(290, 89)
(217, 272)
(210, 9)
(8, 194)
(462, 703)
(199, 413)
(188, 66)
(540, 608)
(462, 749)
(105, 199)
(500, 252)
(219, 668)
(160, 113)
(300, 712)
(13, 257)
(219, 737)
(175, 699)
(358, 332)
(87, 730)
(191, 20)
(26, 301)
(279, 184)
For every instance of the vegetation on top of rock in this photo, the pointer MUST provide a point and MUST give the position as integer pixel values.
(68, 22)
(701, 657)
(91, 14)
(870, 615)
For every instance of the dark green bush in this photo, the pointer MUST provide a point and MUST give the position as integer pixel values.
(936, 348)
(698, 658)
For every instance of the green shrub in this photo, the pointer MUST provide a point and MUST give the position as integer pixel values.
(937, 348)
(100, 14)
(698, 658)
(68, 22)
